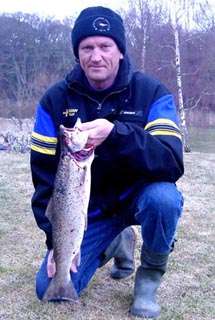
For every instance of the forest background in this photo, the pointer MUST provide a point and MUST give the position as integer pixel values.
(175, 44)
(36, 52)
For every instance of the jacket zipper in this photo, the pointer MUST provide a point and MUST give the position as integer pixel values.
(96, 101)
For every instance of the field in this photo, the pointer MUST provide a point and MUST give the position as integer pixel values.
(187, 291)
(202, 139)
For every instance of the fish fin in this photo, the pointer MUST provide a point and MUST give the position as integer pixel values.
(77, 124)
(79, 258)
(49, 209)
(60, 292)
(83, 176)
(76, 262)
(86, 222)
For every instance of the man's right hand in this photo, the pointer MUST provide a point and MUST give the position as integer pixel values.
(51, 265)
(98, 130)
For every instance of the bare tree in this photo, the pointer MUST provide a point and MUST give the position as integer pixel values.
(138, 20)
(176, 8)
(35, 53)
(184, 13)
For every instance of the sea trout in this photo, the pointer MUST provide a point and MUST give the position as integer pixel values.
(67, 210)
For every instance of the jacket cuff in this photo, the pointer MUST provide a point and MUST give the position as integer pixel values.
(119, 129)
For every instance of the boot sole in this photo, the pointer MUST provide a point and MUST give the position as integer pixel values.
(144, 313)
(117, 275)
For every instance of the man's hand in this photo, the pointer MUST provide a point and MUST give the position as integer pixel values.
(98, 131)
(51, 266)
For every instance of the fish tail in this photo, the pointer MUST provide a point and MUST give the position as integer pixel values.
(60, 292)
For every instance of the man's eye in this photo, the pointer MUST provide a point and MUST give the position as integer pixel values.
(105, 46)
(87, 48)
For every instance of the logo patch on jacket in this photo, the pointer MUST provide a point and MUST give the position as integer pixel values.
(132, 113)
(70, 112)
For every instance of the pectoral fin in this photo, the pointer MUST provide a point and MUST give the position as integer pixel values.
(76, 262)
(49, 210)
(86, 223)
(77, 124)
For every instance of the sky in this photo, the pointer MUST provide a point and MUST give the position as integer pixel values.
(58, 9)
(67, 8)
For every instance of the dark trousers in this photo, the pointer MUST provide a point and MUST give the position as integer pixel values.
(156, 207)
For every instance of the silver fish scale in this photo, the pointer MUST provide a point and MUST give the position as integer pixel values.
(67, 212)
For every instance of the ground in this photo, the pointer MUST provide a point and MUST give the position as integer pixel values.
(187, 290)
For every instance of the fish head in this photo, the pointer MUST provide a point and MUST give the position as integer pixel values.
(73, 139)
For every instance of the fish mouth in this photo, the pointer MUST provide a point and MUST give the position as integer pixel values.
(78, 156)
(72, 139)
(83, 154)
(74, 143)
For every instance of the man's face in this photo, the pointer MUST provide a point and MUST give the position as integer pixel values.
(99, 58)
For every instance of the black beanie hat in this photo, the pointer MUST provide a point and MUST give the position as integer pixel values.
(98, 21)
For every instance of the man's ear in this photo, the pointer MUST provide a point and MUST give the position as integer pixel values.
(121, 56)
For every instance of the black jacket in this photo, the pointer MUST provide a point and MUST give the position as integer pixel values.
(145, 144)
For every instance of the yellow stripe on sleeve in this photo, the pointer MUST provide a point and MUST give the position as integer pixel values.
(43, 150)
(165, 133)
(40, 137)
(161, 121)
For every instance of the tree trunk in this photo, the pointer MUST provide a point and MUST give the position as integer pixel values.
(180, 91)
(182, 114)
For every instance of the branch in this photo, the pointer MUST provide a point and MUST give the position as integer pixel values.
(190, 73)
(198, 100)
(196, 103)
(168, 46)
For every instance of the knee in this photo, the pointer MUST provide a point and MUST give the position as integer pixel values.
(161, 199)
(41, 286)
(39, 291)
(42, 280)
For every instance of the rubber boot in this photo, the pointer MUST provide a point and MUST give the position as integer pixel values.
(147, 281)
(122, 250)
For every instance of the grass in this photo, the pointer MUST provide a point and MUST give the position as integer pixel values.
(186, 293)
(202, 139)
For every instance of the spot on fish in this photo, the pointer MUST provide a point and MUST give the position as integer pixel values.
(60, 189)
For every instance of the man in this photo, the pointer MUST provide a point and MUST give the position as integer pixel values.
(131, 120)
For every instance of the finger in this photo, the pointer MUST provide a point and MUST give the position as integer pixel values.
(51, 267)
(51, 270)
(92, 141)
(88, 125)
(73, 268)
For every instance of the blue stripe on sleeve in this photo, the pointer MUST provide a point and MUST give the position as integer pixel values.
(164, 108)
(43, 123)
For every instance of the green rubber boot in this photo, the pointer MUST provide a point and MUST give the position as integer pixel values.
(147, 281)
(122, 250)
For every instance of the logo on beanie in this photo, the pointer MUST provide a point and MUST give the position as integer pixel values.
(101, 24)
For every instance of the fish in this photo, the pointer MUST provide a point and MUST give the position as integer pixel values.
(67, 210)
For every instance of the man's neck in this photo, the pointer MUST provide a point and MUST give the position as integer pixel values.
(101, 85)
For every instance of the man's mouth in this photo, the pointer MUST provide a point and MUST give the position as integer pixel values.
(96, 67)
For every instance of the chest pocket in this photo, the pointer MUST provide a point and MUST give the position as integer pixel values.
(131, 118)
(126, 111)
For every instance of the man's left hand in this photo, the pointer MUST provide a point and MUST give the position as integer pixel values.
(98, 131)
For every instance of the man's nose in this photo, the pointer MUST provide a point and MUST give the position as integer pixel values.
(96, 55)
